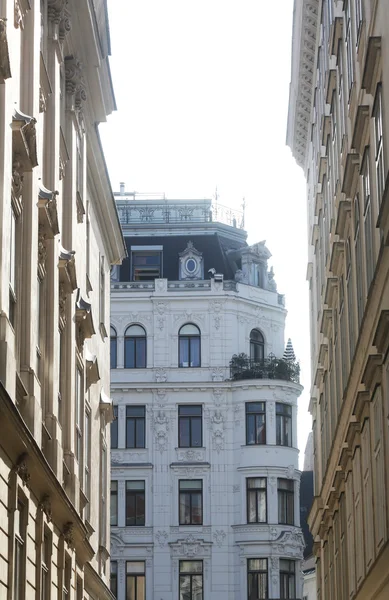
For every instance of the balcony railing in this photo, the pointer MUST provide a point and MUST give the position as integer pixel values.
(242, 367)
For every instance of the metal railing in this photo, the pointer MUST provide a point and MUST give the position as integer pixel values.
(242, 367)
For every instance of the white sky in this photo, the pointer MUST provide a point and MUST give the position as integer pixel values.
(202, 94)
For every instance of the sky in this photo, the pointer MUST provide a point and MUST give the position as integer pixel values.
(202, 100)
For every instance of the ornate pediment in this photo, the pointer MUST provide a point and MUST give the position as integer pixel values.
(67, 269)
(191, 547)
(191, 263)
(48, 215)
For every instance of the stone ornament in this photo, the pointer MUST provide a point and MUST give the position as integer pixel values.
(219, 537)
(160, 375)
(161, 537)
(20, 468)
(68, 534)
(45, 507)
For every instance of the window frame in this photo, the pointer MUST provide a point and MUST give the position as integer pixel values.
(114, 438)
(113, 345)
(114, 502)
(288, 575)
(288, 496)
(189, 339)
(257, 416)
(285, 420)
(190, 418)
(136, 340)
(191, 575)
(256, 491)
(136, 576)
(191, 492)
(257, 345)
(20, 548)
(136, 419)
(113, 577)
(379, 156)
(136, 492)
(158, 270)
(258, 572)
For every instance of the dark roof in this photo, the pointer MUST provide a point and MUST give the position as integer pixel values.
(306, 499)
(213, 247)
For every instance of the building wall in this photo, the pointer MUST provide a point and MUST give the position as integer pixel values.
(338, 131)
(224, 541)
(59, 234)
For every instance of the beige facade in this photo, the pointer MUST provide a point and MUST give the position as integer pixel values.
(338, 129)
(59, 235)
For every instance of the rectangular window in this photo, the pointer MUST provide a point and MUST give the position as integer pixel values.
(12, 269)
(287, 579)
(286, 501)
(191, 580)
(20, 528)
(78, 412)
(135, 503)
(135, 427)
(135, 580)
(146, 265)
(113, 582)
(358, 17)
(255, 423)
(114, 503)
(190, 425)
(103, 502)
(67, 579)
(379, 146)
(102, 291)
(369, 230)
(283, 424)
(191, 501)
(45, 565)
(256, 500)
(257, 584)
(114, 428)
(349, 46)
(87, 462)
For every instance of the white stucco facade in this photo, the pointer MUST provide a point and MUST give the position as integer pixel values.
(225, 312)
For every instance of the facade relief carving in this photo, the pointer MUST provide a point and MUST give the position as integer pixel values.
(160, 375)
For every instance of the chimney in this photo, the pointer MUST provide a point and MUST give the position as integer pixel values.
(122, 187)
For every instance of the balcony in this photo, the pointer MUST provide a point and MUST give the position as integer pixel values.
(242, 367)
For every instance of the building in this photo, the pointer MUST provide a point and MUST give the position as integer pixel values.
(59, 235)
(205, 479)
(306, 499)
(338, 131)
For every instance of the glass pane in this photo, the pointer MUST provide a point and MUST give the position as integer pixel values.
(140, 509)
(252, 515)
(189, 329)
(184, 352)
(252, 585)
(130, 588)
(260, 429)
(184, 432)
(262, 585)
(130, 435)
(278, 430)
(129, 353)
(292, 586)
(290, 510)
(141, 353)
(255, 407)
(114, 433)
(135, 411)
(135, 331)
(140, 588)
(197, 587)
(195, 352)
(135, 566)
(191, 484)
(250, 427)
(184, 509)
(288, 431)
(140, 433)
(196, 431)
(257, 564)
(197, 516)
(261, 506)
(130, 509)
(185, 587)
(113, 349)
(190, 410)
(191, 566)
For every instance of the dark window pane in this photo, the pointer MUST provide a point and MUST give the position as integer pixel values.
(261, 429)
(130, 433)
(250, 420)
(130, 591)
(184, 509)
(140, 433)
(135, 411)
(130, 509)
(184, 352)
(196, 431)
(113, 349)
(197, 517)
(129, 353)
(114, 428)
(141, 353)
(140, 509)
(190, 410)
(195, 352)
(252, 517)
(184, 432)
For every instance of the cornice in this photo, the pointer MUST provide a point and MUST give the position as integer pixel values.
(305, 32)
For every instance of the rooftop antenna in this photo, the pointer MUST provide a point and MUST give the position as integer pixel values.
(243, 205)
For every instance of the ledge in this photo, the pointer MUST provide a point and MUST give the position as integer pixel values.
(372, 55)
(350, 170)
(381, 336)
(373, 363)
(92, 368)
(24, 140)
(336, 256)
(47, 204)
(331, 287)
(344, 210)
(360, 127)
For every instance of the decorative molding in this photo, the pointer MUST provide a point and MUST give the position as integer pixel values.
(219, 537)
(217, 374)
(5, 67)
(160, 375)
(161, 537)
(21, 7)
(191, 547)
(20, 468)
(42, 252)
(48, 215)
(68, 534)
(75, 87)
(45, 507)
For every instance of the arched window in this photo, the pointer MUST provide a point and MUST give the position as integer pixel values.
(135, 347)
(189, 346)
(113, 348)
(257, 346)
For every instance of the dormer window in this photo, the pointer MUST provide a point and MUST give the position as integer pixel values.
(191, 263)
(146, 263)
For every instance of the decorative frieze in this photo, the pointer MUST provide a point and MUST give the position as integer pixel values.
(5, 67)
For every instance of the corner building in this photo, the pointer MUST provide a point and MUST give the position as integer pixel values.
(59, 235)
(205, 479)
(338, 131)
